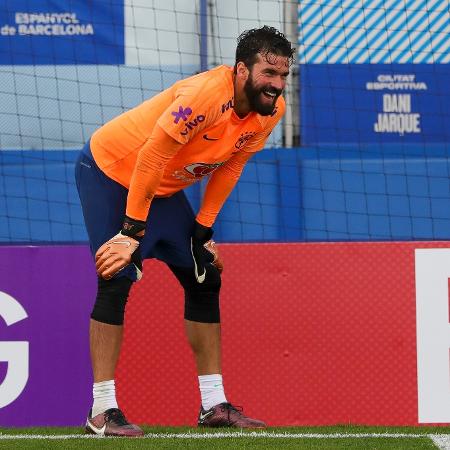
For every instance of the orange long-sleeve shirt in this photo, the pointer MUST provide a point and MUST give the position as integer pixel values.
(179, 136)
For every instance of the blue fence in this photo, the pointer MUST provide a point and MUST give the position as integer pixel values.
(307, 194)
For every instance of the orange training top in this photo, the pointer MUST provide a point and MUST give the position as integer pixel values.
(172, 140)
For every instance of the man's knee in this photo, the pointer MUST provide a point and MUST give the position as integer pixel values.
(111, 299)
(201, 299)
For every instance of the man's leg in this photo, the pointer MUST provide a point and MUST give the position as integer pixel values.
(202, 316)
(103, 203)
(106, 332)
(202, 323)
(174, 219)
(106, 326)
(204, 339)
(105, 343)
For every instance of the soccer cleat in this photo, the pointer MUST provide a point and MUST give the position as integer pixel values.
(227, 415)
(112, 423)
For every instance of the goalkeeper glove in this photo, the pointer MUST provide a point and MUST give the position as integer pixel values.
(121, 250)
(204, 251)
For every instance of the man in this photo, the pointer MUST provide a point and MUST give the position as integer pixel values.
(130, 179)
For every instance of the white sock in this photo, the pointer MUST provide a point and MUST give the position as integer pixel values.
(104, 397)
(211, 390)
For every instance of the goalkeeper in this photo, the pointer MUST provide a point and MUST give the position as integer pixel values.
(130, 178)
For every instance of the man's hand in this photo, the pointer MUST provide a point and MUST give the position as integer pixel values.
(121, 250)
(204, 251)
(115, 255)
(214, 250)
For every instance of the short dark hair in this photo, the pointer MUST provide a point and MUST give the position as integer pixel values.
(262, 40)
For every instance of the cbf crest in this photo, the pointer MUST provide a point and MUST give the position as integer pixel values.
(243, 139)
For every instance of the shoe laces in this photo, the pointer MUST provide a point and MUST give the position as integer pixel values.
(115, 415)
(231, 409)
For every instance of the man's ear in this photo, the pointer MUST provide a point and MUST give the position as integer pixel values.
(242, 71)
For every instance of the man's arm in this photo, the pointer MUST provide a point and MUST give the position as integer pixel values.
(220, 186)
(159, 149)
(217, 191)
(123, 248)
(225, 178)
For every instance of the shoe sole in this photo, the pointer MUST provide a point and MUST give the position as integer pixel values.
(88, 430)
(201, 425)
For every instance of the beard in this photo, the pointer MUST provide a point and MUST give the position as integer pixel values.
(259, 101)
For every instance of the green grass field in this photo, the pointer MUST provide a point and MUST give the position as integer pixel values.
(335, 438)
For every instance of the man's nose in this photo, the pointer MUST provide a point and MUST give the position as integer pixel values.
(278, 83)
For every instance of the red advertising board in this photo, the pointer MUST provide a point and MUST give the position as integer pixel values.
(313, 334)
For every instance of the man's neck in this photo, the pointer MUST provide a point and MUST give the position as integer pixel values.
(241, 104)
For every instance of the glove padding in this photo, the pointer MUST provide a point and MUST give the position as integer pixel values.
(114, 255)
(212, 248)
(123, 249)
(204, 251)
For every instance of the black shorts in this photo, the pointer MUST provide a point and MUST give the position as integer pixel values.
(169, 225)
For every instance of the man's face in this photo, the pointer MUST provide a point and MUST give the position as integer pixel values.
(266, 81)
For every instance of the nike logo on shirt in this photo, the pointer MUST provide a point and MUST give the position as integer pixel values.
(205, 136)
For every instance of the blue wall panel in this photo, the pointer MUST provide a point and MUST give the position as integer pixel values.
(307, 194)
(345, 103)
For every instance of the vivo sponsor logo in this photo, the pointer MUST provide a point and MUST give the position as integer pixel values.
(192, 124)
(14, 353)
(182, 113)
(433, 334)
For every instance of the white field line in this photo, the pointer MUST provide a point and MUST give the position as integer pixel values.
(442, 441)
(444, 438)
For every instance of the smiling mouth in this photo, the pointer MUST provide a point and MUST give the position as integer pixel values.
(269, 94)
